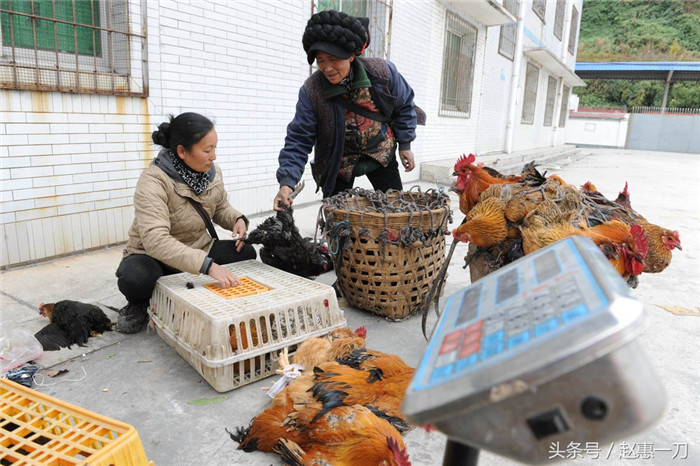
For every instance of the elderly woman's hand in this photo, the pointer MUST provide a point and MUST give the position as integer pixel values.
(283, 198)
(407, 160)
(224, 276)
(238, 233)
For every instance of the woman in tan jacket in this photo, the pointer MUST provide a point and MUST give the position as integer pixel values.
(175, 199)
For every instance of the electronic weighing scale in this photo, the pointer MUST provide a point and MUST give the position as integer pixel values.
(539, 352)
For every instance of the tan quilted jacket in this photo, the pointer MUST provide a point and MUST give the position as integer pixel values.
(168, 228)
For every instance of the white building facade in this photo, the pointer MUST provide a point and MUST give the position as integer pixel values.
(83, 83)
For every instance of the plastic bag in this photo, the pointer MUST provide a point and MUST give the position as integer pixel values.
(17, 347)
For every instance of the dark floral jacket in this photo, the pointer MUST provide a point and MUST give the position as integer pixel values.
(320, 125)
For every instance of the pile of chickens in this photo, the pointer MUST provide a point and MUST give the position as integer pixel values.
(343, 409)
(509, 216)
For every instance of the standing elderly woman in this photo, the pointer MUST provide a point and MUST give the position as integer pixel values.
(353, 111)
(175, 199)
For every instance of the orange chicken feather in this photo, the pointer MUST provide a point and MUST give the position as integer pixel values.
(345, 436)
(337, 344)
(624, 246)
(662, 241)
(472, 180)
(486, 224)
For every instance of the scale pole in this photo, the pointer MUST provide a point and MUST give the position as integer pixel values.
(459, 454)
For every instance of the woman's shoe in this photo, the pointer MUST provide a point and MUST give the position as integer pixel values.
(132, 318)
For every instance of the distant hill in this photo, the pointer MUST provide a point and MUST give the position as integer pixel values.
(639, 30)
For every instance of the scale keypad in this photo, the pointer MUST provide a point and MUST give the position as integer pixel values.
(508, 326)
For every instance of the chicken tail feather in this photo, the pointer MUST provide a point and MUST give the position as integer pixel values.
(241, 436)
(329, 400)
(356, 358)
(52, 338)
(375, 375)
(290, 453)
(400, 425)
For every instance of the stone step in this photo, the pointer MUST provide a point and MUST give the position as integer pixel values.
(547, 158)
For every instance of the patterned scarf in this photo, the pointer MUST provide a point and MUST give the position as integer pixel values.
(198, 181)
(348, 81)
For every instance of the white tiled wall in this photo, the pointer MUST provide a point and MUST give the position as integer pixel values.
(69, 163)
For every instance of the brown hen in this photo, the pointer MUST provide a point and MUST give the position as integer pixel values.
(345, 436)
(486, 224)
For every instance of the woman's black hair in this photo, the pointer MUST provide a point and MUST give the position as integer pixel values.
(184, 130)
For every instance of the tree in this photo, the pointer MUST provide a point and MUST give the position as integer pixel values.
(639, 30)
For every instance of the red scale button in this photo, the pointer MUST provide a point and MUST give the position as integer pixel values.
(468, 349)
(451, 342)
(472, 337)
(475, 327)
(472, 340)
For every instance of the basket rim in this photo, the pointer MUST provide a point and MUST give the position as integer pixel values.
(339, 213)
(388, 214)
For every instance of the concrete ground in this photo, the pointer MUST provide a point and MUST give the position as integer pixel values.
(140, 380)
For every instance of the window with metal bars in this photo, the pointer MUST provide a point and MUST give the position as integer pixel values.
(458, 67)
(379, 14)
(564, 110)
(506, 42)
(540, 8)
(551, 98)
(85, 46)
(530, 99)
(559, 18)
(574, 29)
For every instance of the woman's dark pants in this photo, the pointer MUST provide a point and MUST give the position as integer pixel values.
(382, 179)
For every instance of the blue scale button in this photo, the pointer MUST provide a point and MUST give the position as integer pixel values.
(519, 338)
(546, 326)
(491, 351)
(440, 372)
(468, 361)
(493, 339)
(575, 313)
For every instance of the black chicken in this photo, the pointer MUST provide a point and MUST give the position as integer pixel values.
(285, 249)
(71, 323)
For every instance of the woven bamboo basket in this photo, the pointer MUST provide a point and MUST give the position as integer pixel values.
(378, 273)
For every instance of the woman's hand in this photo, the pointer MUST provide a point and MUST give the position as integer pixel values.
(238, 233)
(283, 198)
(407, 160)
(223, 275)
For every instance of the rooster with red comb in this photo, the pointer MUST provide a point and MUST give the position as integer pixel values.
(472, 180)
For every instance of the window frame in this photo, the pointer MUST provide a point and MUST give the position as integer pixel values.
(573, 32)
(462, 65)
(530, 90)
(103, 71)
(536, 5)
(559, 19)
(512, 6)
(552, 84)
(564, 105)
